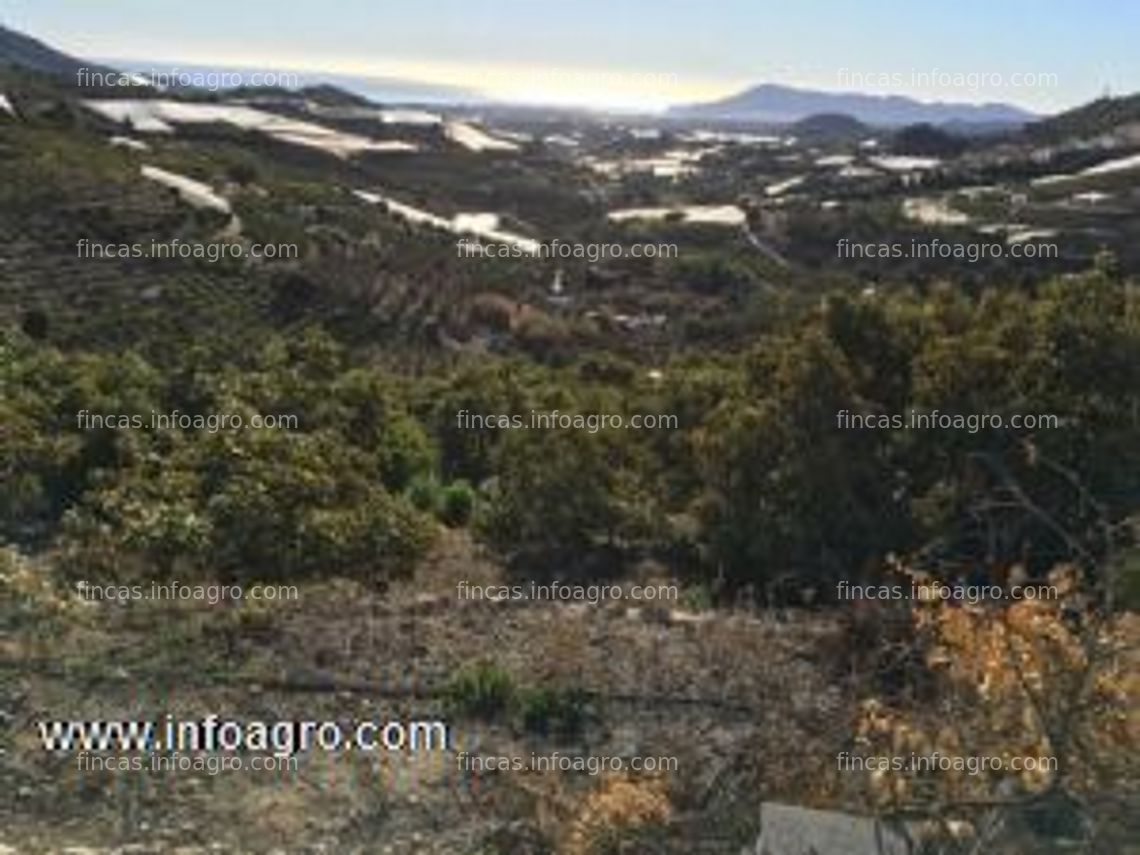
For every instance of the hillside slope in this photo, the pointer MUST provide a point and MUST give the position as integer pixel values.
(19, 50)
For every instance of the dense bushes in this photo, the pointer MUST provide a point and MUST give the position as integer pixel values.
(788, 487)
(258, 504)
(760, 482)
(320, 494)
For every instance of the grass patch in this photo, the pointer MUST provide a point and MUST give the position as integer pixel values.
(487, 691)
(483, 691)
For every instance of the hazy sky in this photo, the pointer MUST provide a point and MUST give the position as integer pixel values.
(1042, 54)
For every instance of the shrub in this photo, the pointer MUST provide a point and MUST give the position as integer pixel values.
(550, 711)
(481, 690)
(619, 814)
(698, 597)
(1042, 678)
(424, 494)
(456, 504)
(405, 452)
(566, 497)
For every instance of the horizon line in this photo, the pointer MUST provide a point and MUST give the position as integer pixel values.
(469, 94)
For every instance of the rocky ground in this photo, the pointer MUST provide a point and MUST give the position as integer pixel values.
(747, 702)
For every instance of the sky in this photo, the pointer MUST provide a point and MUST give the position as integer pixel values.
(1045, 55)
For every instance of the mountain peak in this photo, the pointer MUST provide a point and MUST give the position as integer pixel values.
(778, 104)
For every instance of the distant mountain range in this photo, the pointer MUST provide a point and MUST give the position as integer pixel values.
(378, 89)
(828, 115)
(775, 104)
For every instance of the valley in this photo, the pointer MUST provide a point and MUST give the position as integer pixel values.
(705, 294)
